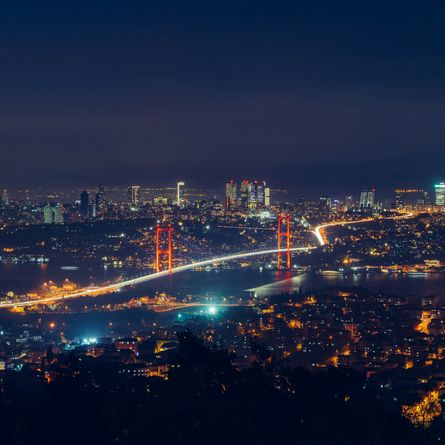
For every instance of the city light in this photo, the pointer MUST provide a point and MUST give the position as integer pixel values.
(89, 341)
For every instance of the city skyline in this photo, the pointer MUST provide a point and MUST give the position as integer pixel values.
(220, 188)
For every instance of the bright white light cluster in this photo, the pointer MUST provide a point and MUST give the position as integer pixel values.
(89, 341)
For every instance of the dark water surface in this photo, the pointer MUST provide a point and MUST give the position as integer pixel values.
(22, 278)
(215, 284)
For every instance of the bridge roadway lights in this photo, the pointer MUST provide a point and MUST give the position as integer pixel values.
(153, 276)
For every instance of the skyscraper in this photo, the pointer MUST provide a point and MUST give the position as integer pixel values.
(266, 197)
(367, 199)
(84, 204)
(253, 194)
(58, 214)
(400, 199)
(231, 193)
(252, 200)
(48, 214)
(180, 196)
(53, 214)
(244, 194)
(349, 203)
(5, 198)
(134, 197)
(101, 201)
(440, 193)
(259, 191)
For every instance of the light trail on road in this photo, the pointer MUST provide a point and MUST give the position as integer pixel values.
(116, 286)
(322, 239)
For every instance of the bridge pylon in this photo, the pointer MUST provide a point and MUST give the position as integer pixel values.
(283, 222)
(162, 253)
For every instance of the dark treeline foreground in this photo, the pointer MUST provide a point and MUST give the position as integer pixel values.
(204, 401)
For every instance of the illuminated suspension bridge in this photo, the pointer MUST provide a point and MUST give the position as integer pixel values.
(91, 291)
(161, 253)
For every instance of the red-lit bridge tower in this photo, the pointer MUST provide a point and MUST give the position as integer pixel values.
(283, 222)
(164, 252)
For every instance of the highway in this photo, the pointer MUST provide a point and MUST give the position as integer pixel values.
(321, 237)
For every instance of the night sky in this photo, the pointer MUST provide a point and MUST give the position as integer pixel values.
(313, 96)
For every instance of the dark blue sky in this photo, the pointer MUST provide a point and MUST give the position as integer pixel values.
(315, 97)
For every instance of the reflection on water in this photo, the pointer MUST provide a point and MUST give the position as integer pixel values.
(22, 278)
(400, 284)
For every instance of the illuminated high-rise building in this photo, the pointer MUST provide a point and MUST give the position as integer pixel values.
(409, 197)
(349, 203)
(134, 197)
(231, 194)
(101, 200)
(244, 194)
(400, 199)
(180, 194)
(58, 214)
(5, 198)
(367, 199)
(252, 200)
(53, 214)
(84, 204)
(48, 214)
(440, 193)
(259, 191)
(266, 197)
(253, 195)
